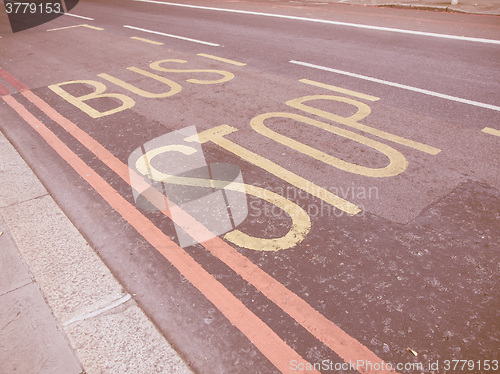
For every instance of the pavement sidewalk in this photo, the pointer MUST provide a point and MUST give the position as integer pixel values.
(61, 309)
(491, 7)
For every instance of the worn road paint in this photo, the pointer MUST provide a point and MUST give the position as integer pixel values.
(489, 130)
(232, 62)
(72, 27)
(13, 81)
(341, 90)
(3, 90)
(146, 40)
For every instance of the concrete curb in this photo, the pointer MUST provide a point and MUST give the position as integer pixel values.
(492, 7)
(438, 8)
(61, 309)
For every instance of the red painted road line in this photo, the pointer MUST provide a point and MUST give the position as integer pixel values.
(13, 81)
(265, 339)
(3, 90)
(89, 142)
(348, 348)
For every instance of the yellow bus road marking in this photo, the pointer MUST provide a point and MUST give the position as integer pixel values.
(397, 161)
(301, 223)
(146, 40)
(216, 135)
(175, 88)
(357, 94)
(264, 338)
(232, 62)
(226, 75)
(489, 130)
(83, 25)
(79, 102)
(352, 121)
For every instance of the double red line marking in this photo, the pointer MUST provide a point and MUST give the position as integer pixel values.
(259, 333)
(12, 81)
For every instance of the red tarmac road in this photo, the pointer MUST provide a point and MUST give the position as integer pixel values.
(368, 143)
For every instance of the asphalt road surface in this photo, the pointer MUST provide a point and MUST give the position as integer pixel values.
(366, 140)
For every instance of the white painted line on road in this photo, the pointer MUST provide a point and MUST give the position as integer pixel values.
(114, 304)
(77, 16)
(338, 23)
(172, 36)
(399, 85)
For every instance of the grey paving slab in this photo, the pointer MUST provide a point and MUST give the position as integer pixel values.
(30, 341)
(60, 306)
(71, 275)
(123, 340)
(13, 273)
(16, 178)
